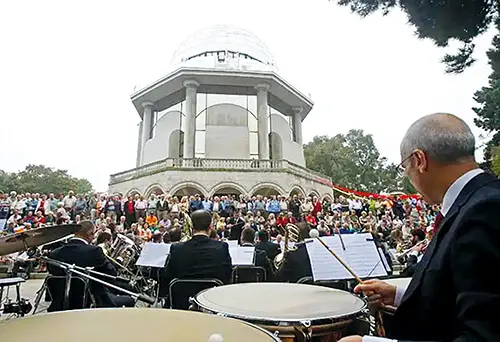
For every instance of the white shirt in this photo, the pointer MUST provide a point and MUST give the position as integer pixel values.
(449, 198)
(79, 239)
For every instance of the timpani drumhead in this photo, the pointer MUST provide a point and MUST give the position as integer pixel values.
(134, 325)
(279, 302)
(399, 282)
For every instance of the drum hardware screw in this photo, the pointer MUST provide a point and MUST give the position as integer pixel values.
(221, 314)
(306, 324)
(276, 333)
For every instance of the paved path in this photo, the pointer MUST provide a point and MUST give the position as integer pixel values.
(28, 291)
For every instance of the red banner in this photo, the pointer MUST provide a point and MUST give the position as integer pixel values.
(347, 191)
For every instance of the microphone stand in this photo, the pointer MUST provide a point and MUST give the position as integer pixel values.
(73, 269)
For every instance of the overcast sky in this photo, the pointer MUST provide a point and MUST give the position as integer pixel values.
(68, 68)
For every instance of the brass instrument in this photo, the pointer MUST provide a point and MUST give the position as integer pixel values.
(292, 234)
(123, 251)
(187, 227)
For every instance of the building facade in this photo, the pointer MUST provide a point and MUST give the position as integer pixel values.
(223, 122)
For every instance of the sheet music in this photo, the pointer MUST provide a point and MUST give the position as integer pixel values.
(242, 255)
(384, 260)
(360, 254)
(153, 255)
(232, 243)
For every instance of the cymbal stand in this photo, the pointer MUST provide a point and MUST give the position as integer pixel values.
(72, 269)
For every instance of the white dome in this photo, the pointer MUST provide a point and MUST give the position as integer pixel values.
(223, 46)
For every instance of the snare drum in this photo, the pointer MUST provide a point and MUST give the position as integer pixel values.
(294, 311)
(130, 325)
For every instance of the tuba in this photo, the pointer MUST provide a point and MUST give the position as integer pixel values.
(292, 235)
(187, 227)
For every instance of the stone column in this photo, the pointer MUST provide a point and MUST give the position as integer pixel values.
(139, 146)
(146, 126)
(297, 124)
(190, 112)
(263, 120)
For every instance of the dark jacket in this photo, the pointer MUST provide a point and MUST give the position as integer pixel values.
(84, 255)
(199, 258)
(452, 295)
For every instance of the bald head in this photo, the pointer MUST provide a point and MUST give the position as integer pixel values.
(445, 138)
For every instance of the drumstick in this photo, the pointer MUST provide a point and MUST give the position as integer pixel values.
(314, 233)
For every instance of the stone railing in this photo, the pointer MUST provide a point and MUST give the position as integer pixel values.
(214, 164)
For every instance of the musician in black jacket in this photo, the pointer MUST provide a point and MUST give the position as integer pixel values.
(261, 258)
(78, 251)
(200, 257)
(272, 249)
(452, 295)
(296, 263)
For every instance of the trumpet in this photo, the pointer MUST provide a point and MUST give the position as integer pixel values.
(292, 234)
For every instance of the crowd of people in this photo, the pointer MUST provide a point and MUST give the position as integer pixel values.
(398, 223)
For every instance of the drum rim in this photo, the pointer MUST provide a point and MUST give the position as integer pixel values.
(252, 325)
(345, 316)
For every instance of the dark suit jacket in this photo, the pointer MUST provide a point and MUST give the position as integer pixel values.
(199, 258)
(453, 295)
(271, 249)
(295, 266)
(80, 254)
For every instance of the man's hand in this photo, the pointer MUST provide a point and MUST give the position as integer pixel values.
(379, 293)
(355, 338)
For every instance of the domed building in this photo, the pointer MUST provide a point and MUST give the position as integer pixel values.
(222, 122)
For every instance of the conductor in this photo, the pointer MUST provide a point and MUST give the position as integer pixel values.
(452, 296)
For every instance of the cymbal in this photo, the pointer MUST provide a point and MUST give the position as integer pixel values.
(21, 241)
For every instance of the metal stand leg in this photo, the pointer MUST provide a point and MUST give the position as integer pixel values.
(39, 294)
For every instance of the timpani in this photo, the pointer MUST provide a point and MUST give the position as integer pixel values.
(131, 325)
(291, 311)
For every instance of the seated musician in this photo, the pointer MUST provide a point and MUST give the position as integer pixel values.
(271, 249)
(417, 238)
(78, 251)
(200, 257)
(261, 259)
(296, 264)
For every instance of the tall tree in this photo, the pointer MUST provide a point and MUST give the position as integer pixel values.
(42, 179)
(440, 21)
(488, 98)
(353, 161)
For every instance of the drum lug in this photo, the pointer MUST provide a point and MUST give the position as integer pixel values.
(221, 314)
(191, 300)
(306, 324)
(276, 334)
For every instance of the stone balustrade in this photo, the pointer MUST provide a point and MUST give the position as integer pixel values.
(201, 164)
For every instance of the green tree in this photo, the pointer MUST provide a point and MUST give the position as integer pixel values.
(441, 21)
(353, 161)
(42, 179)
(495, 161)
(488, 99)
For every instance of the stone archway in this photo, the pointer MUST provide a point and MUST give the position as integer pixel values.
(188, 189)
(297, 190)
(133, 192)
(313, 193)
(267, 189)
(227, 188)
(155, 189)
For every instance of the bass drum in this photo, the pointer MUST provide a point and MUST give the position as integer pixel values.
(295, 312)
(127, 325)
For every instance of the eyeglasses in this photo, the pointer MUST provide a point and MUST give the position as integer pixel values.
(400, 168)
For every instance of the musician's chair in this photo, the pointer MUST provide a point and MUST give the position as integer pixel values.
(248, 274)
(181, 290)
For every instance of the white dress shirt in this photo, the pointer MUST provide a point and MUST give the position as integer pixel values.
(449, 198)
